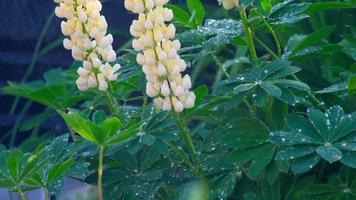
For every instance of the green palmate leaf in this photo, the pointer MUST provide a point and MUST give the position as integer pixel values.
(197, 10)
(323, 136)
(58, 170)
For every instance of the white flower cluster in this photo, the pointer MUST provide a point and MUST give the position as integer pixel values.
(85, 30)
(154, 40)
(229, 4)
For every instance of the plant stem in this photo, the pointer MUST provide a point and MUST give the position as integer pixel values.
(274, 35)
(46, 194)
(109, 101)
(248, 33)
(220, 65)
(316, 100)
(266, 47)
(250, 108)
(22, 195)
(100, 173)
(187, 139)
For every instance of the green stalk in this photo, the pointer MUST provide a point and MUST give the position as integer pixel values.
(109, 101)
(187, 139)
(266, 47)
(220, 65)
(22, 195)
(274, 35)
(100, 173)
(46, 194)
(248, 33)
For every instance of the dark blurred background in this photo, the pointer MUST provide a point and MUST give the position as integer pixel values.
(30, 44)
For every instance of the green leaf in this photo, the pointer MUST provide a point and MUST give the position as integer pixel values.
(79, 125)
(320, 189)
(291, 84)
(349, 159)
(99, 117)
(197, 10)
(58, 170)
(125, 134)
(262, 159)
(314, 38)
(319, 121)
(305, 164)
(351, 86)
(285, 13)
(243, 88)
(111, 126)
(147, 139)
(289, 138)
(244, 133)
(223, 186)
(338, 87)
(180, 15)
(300, 124)
(14, 165)
(329, 153)
(271, 89)
(272, 173)
(251, 196)
(322, 6)
(294, 152)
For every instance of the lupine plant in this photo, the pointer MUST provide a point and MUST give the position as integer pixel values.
(265, 111)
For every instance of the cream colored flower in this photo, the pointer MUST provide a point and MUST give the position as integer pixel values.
(229, 4)
(158, 55)
(87, 38)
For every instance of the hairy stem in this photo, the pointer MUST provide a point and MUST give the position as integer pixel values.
(100, 173)
(248, 33)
